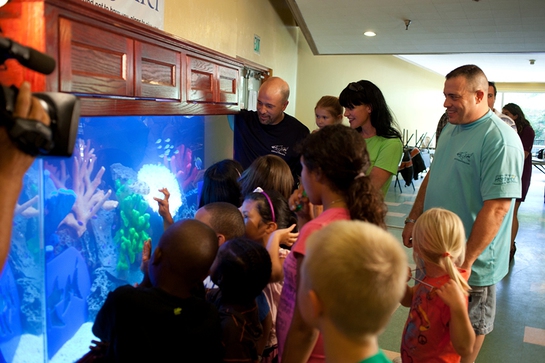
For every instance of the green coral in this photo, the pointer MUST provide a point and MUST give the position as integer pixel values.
(133, 233)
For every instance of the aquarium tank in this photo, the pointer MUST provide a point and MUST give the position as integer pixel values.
(80, 224)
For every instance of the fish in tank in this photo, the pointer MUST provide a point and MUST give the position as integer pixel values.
(80, 224)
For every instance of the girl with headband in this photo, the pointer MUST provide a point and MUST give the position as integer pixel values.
(266, 213)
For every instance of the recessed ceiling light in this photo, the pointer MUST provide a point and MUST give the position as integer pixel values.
(369, 34)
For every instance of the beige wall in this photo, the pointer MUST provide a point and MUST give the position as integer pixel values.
(520, 87)
(415, 95)
(218, 133)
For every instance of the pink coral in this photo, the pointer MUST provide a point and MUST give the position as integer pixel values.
(182, 167)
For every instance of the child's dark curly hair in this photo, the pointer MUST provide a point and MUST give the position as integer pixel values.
(340, 154)
(242, 270)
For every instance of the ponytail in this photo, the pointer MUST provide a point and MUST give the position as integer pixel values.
(340, 154)
(452, 270)
(439, 238)
(365, 202)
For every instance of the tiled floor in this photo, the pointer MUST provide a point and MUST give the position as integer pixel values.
(519, 333)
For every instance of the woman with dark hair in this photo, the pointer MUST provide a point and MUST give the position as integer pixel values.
(335, 162)
(527, 135)
(368, 113)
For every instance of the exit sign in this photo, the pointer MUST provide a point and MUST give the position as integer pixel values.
(257, 44)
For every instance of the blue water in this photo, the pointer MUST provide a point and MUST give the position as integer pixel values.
(80, 225)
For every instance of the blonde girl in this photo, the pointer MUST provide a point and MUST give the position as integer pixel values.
(438, 328)
(328, 111)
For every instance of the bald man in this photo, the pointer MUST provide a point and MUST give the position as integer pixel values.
(476, 173)
(269, 130)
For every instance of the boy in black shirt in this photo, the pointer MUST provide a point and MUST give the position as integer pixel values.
(166, 323)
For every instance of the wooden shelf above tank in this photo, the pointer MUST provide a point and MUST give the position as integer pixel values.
(116, 65)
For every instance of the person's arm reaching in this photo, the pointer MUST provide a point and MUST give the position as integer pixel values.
(13, 165)
(416, 211)
(164, 210)
(273, 247)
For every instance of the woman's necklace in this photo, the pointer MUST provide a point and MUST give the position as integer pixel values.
(335, 201)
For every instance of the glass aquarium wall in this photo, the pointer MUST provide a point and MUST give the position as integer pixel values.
(81, 223)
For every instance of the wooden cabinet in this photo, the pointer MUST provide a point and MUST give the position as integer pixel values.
(158, 72)
(201, 75)
(227, 84)
(211, 82)
(118, 66)
(99, 64)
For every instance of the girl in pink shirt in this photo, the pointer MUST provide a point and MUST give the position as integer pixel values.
(334, 161)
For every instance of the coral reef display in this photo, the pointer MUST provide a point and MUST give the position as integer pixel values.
(84, 221)
(158, 177)
(134, 228)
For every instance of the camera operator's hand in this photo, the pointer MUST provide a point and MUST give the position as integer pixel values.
(14, 164)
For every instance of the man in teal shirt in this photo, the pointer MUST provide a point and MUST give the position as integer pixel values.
(476, 173)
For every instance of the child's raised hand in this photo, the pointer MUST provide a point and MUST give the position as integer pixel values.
(164, 210)
(282, 236)
(146, 256)
(286, 236)
(452, 295)
(163, 203)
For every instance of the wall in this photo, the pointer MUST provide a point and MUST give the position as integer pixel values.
(414, 94)
(218, 133)
(520, 87)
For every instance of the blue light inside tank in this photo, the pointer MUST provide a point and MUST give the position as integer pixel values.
(80, 225)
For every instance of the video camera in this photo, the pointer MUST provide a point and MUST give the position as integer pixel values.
(31, 136)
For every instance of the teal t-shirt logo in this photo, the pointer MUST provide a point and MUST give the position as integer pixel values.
(464, 157)
(505, 179)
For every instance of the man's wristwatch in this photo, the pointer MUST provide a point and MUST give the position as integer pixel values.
(409, 220)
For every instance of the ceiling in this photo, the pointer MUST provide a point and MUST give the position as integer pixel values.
(500, 36)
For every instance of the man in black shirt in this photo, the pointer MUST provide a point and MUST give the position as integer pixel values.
(269, 130)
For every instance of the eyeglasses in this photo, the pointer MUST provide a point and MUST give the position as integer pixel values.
(354, 86)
